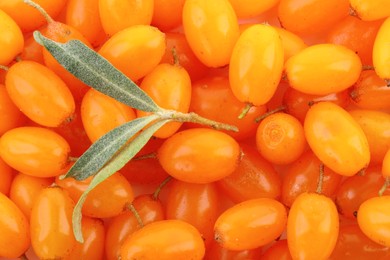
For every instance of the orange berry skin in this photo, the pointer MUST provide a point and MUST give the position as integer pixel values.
(11, 116)
(199, 155)
(106, 200)
(370, 10)
(127, 50)
(15, 229)
(197, 204)
(336, 138)
(93, 246)
(167, 14)
(51, 224)
(250, 224)
(386, 164)
(263, 44)
(312, 227)
(84, 16)
(11, 38)
(27, 17)
(100, 114)
(48, 100)
(374, 219)
(251, 8)
(322, 69)
(116, 15)
(304, 17)
(292, 43)
(211, 40)
(375, 125)
(6, 177)
(25, 189)
(170, 87)
(381, 52)
(166, 239)
(215, 251)
(32, 50)
(280, 138)
(254, 178)
(279, 250)
(123, 225)
(35, 151)
(212, 93)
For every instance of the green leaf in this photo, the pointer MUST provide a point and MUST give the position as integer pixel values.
(105, 148)
(95, 71)
(117, 162)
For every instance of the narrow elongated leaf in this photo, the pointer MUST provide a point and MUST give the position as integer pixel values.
(117, 162)
(95, 71)
(106, 147)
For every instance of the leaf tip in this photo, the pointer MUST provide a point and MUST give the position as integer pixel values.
(38, 37)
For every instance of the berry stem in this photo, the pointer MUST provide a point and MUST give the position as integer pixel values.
(273, 111)
(156, 193)
(152, 155)
(40, 9)
(320, 179)
(175, 57)
(5, 68)
(136, 214)
(386, 184)
(245, 110)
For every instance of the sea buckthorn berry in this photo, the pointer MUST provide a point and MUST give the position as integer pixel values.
(262, 43)
(309, 16)
(312, 227)
(11, 116)
(356, 189)
(35, 151)
(48, 100)
(370, 91)
(303, 176)
(212, 93)
(251, 8)
(100, 114)
(356, 35)
(211, 40)
(374, 218)
(254, 178)
(197, 204)
(116, 15)
(185, 56)
(322, 69)
(84, 16)
(15, 229)
(250, 224)
(51, 224)
(292, 43)
(167, 14)
(127, 50)
(352, 243)
(370, 10)
(27, 17)
(279, 250)
(166, 239)
(215, 251)
(123, 225)
(93, 245)
(297, 103)
(25, 189)
(170, 87)
(106, 200)
(375, 125)
(11, 38)
(381, 52)
(6, 177)
(199, 155)
(280, 138)
(386, 164)
(336, 138)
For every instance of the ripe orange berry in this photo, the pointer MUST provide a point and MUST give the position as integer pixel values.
(322, 69)
(167, 14)
(370, 10)
(199, 155)
(336, 138)
(278, 250)
(250, 224)
(292, 43)
(280, 138)
(251, 8)
(48, 102)
(11, 116)
(127, 50)
(100, 114)
(215, 251)
(312, 227)
(211, 40)
(35, 151)
(51, 213)
(11, 38)
(14, 228)
(6, 177)
(166, 239)
(380, 51)
(264, 47)
(386, 164)
(170, 87)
